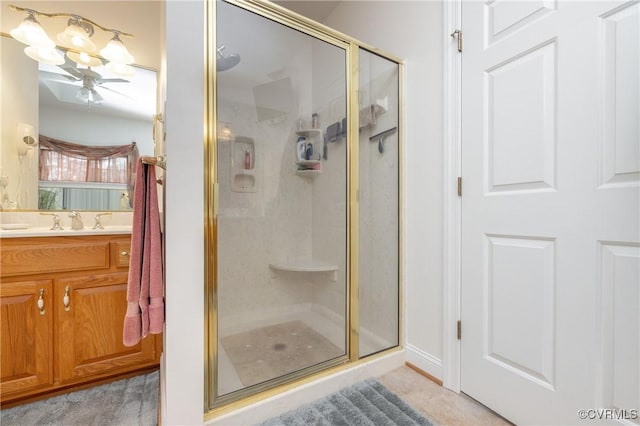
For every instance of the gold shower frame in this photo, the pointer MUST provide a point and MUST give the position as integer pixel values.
(215, 406)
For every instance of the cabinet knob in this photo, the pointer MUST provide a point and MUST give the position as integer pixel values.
(65, 299)
(40, 302)
(124, 253)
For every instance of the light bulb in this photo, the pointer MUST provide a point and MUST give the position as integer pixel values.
(84, 58)
(47, 55)
(120, 69)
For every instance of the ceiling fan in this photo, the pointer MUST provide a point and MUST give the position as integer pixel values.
(91, 83)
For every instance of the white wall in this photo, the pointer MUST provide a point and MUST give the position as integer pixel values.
(413, 31)
(183, 366)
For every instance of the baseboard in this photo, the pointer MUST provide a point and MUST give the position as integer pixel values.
(424, 373)
(424, 361)
(308, 392)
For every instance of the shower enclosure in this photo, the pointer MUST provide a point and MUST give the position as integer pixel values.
(303, 246)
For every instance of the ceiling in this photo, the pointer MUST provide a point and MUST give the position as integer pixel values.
(313, 9)
(143, 19)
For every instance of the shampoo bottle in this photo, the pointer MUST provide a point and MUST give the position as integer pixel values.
(301, 148)
(247, 159)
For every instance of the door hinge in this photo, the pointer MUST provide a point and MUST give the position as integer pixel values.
(458, 34)
(459, 330)
(459, 187)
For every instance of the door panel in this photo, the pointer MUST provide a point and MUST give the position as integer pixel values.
(26, 336)
(620, 326)
(620, 159)
(550, 228)
(521, 129)
(520, 307)
(89, 338)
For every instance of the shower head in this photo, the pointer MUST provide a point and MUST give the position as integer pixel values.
(225, 62)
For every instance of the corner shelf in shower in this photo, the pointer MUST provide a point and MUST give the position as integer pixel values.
(309, 133)
(303, 166)
(304, 265)
(308, 163)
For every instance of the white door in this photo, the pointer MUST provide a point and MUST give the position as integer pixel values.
(550, 216)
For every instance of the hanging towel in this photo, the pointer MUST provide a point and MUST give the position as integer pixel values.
(145, 307)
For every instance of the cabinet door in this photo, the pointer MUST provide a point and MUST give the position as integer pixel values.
(25, 336)
(89, 339)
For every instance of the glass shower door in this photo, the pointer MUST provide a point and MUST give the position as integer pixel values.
(379, 173)
(281, 164)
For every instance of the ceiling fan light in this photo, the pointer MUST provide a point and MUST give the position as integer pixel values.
(31, 33)
(83, 94)
(84, 58)
(76, 37)
(116, 51)
(47, 55)
(122, 70)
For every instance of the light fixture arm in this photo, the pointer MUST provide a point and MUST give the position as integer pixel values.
(82, 23)
(76, 19)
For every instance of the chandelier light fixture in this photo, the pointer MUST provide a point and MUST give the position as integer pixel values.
(75, 39)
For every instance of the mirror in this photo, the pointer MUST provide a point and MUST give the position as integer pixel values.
(92, 107)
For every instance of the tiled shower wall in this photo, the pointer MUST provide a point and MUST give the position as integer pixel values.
(271, 224)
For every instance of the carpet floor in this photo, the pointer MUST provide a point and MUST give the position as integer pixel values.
(131, 401)
(367, 403)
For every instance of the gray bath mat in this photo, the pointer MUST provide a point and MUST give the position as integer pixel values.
(128, 402)
(367, 403)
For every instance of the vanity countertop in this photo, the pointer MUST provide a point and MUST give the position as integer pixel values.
(46, 232)
(38, 224)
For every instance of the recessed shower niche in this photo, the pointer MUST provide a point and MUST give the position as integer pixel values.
(294, 285)
(243, 164)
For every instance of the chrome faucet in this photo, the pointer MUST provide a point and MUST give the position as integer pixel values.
(76, 221)
(98, 224)
(56, 221)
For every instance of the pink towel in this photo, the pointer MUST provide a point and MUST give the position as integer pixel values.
(145, 308)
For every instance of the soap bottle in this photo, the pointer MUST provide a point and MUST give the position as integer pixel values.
(301, 148)
(247, 159)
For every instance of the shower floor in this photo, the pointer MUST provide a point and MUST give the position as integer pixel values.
(264, 353)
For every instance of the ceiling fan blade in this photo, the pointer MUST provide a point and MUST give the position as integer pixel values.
(96, 96)
(70, 77)
(112, 80)
(70, 67)
(115, 91)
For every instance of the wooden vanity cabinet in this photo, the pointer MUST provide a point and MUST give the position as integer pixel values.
(78, 339)
(26, 332)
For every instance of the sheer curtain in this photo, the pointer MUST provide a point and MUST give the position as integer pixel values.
(70, 162)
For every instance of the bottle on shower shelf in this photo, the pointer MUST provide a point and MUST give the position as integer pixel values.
(247, 160)
(301, 148)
